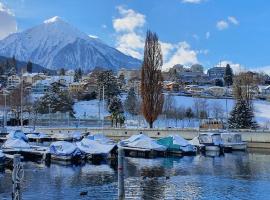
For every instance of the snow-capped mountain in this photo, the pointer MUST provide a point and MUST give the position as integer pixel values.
(56, 44)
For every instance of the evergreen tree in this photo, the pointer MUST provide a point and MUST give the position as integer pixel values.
(242, 117)
(107, 80)
(132, 103)
(29, 67)
(62, 72)
(219, 82)
(121, 80)
(115, 107)
(228, 75)
(13, 65)
(55, 100)
(78, 75)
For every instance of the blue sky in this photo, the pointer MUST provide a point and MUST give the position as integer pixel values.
(203, 31)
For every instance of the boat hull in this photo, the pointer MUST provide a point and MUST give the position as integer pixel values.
(212, 148)
(239, 147)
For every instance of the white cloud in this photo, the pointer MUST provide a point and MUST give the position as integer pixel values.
(233, 20)
(8, 22)
(166, 49)
(93, 36)
(221, 25)
(182, 54)
(131, 44)
(129, 20)
(129, 40)
(192, 1)
(128, 27)
(104, 26)
(264, 69)
(224, 24)
(207, 35)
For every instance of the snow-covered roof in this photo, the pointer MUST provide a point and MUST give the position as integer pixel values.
(27, 74)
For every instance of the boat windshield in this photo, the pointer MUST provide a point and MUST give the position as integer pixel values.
(237, 138)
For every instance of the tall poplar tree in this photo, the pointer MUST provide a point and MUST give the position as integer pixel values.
(151, 82)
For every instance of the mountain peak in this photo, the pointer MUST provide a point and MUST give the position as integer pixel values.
(55, 44)
(53, 20)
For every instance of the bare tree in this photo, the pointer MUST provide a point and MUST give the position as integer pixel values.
(151, 83)
(201, 108)
(243, 86)
(169, 105)
(217, 110)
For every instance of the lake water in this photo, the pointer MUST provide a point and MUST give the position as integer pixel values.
(238, 175)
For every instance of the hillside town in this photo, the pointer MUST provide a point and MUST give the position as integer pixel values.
(31, 89)
(145, 100)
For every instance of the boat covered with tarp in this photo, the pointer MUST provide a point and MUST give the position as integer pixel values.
(63, 136)
(142, 146)
(36, 136)
(14, 143)
(177, 145)
(101, 138)
(76, 135)
(2, 158)
(17, 134)
(66, 151)
(93, 148)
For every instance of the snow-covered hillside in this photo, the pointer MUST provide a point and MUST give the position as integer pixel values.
(89, 109)
(55, 44)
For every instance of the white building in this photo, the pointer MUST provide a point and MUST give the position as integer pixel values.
(13, 81)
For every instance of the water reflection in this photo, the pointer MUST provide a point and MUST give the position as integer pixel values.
(238, 175)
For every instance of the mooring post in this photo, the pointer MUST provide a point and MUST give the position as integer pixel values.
(121, 185)
(17, 175)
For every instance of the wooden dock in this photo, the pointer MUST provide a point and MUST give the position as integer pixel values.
(32, 154)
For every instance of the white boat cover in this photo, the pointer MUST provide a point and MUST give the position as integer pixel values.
(101, 139)
(36, 135)
(15, 144)
(143, 142)
(133, 138)
(76, 135)
(195, 141)
(2, 155)
(18, 134)
(63, 136)
(63, 148)
(89, 146)
(179, 140)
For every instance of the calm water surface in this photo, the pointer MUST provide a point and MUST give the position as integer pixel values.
(237, 175)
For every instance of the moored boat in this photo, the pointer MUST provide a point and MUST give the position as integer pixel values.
(15, 144)
(65, 151)
(2, 159)
(94, 149)
(211, 141)
(142, 146)
(233, 141)
(176, 145)
(62, 136)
